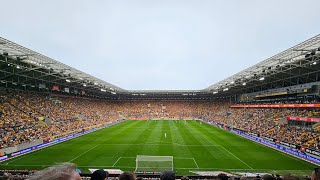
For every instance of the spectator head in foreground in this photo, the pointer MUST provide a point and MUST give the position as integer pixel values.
(290, 177)
(243, 178)
(63, 171)
(99, 175)
(167, 175)
(222, 176)
(127, 176)
(268, 177)
(316, 174)
(184, 178)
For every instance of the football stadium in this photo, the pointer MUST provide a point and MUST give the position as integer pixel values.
(59, 122)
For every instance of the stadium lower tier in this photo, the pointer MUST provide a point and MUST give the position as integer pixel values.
(193, 146)
(26, 117)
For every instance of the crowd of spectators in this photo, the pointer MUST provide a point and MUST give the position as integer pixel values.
(22, 114)
(272, 123)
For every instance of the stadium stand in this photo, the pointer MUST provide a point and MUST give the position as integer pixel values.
(272, 123)
(42, 99)
(20, 117)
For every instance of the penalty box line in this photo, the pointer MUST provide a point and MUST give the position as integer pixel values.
(236, 157)
(84, 153)
(194, 160)
(121, 158)
(116, 162)
(92, 148)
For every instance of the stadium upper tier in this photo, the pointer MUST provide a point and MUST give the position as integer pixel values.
(23, 68)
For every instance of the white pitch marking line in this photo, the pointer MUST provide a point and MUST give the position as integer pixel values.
(195, 162)
(116, 162)
(164, 144)
(181, 158)
(236, 157)
(84, 153)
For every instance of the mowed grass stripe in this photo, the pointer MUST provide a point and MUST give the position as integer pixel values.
(221, 157)
(167, 129)
(257, 155)
(68, 150)
(184, 151)
(105, 154)
(141, 135)
(185, 140)
(182, 155)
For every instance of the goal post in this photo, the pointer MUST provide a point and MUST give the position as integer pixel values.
(153, 163)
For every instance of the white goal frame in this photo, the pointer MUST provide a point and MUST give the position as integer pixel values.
(147, 158)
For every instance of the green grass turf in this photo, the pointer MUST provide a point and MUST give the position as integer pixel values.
(194, 146)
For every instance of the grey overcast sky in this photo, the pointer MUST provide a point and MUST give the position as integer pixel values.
(159, 44)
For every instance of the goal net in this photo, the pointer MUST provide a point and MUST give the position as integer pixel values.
(153, 163)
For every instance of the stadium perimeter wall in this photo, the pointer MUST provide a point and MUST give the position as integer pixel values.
(278, 147)
(21, 146)
(37, 145)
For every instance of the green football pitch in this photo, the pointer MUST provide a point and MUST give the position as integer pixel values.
(193, 145)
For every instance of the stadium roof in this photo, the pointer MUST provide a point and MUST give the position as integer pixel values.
(304, 56)
(16, 51)
(296, 65)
